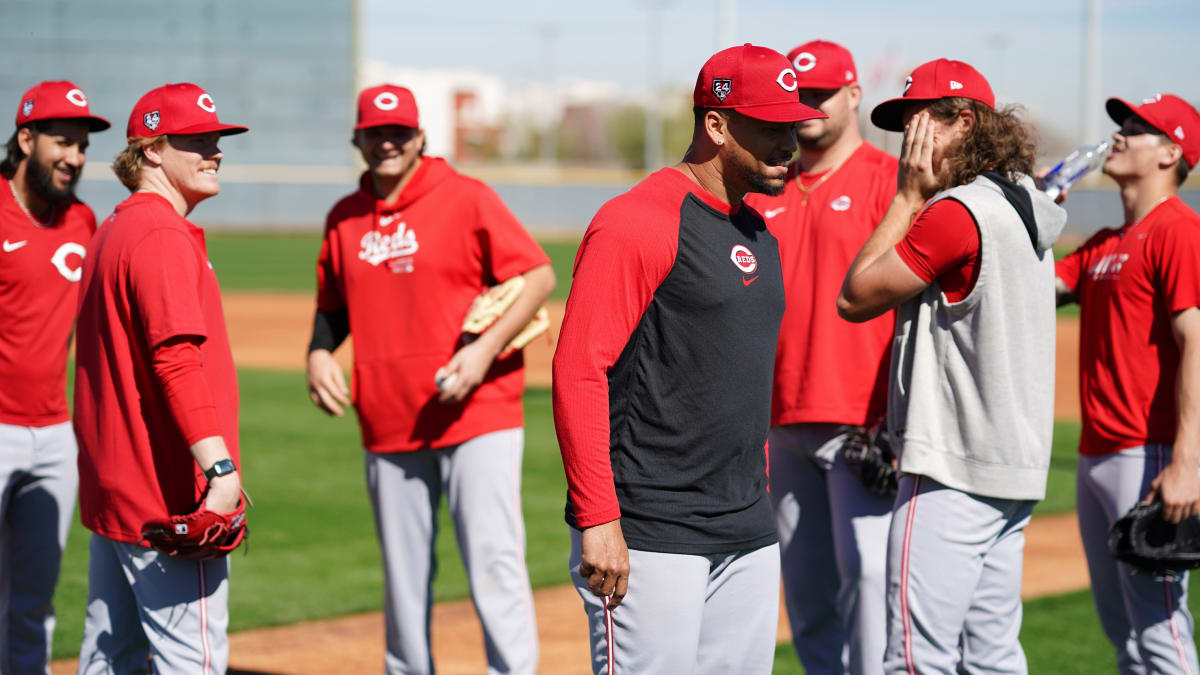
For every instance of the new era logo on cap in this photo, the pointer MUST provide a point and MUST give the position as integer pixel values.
(754, 81)
(1171, 115)
(57, 100)
(955, 85)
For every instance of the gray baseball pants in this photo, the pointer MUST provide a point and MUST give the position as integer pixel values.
(1144, 615)
(954, 581)
(702, 614)
(38, 478)
(145, 606)
(833, 536)
(482, 480)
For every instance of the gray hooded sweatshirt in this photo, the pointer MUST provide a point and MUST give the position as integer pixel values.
(972, 382)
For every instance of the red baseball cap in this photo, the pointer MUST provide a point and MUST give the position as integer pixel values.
(821, 64)
(941, 78)
(387, 105)
(59, 100)
(182, 108)
(1169, 114)
(756, 82)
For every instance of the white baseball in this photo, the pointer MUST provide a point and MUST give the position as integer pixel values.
(444, 381)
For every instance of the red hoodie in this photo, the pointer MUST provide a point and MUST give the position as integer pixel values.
(407, 273)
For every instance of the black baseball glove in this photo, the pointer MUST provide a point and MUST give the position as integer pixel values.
(1143, 539)
(870, 458)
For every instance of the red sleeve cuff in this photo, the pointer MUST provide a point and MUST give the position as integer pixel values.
(914, 260)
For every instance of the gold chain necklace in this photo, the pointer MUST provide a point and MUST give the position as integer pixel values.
(27, 212)
(806, 191)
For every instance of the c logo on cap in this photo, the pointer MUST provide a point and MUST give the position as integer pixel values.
(907, 84)
(804, 62)
(206, 103)
(76, 96)
(387, 101)
(783, 74)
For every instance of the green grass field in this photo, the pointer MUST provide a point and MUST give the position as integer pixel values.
(312, 553)
(286, 261)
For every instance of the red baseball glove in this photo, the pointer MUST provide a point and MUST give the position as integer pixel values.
(199, 535)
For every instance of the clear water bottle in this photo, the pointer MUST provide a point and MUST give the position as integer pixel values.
(1073, 167)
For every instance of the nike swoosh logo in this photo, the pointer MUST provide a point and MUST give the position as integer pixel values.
(10, 246)
(747, 282)
(771, 213)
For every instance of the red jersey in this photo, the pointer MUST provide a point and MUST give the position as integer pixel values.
(828, 369)
(943, 245)
(39, 275)
(1129, 282)
(147, 280)
(406, 273)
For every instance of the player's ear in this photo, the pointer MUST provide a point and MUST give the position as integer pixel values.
(1169, 153)
(966, 117)
(854, 93)
(25, 139)
(153, 152)
(716, 127)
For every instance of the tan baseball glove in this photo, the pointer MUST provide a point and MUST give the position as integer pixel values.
(489, 305)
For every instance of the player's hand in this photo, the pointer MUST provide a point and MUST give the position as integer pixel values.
(605, 562)
(465, 371)
(1041, 174)
(326, 383)
(917, 178)
(224, 493)
(1178, 487)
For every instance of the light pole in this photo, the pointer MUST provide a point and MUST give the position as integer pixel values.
(547, 149)
(1091, 73)
(653, 134)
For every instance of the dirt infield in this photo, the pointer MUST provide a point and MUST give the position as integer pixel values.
(271, 331)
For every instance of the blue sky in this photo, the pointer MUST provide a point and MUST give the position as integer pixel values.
(1030, 50)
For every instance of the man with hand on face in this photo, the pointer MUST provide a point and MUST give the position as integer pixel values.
(662, 390)
(401, 262)
(1138, 289)
(45, 231)
(964, 252)
(830, 378)
(156, 398)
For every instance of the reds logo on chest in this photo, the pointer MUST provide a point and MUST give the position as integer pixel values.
(395, 249)
(743, 259)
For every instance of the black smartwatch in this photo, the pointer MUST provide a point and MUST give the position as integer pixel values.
(221, 468)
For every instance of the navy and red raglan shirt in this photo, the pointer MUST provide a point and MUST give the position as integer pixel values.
(663, 372)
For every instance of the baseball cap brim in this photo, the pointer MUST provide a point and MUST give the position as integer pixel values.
(889, 115)
(223, 129)
(788, 111)
(94, 122)
(1120, 110)
(405, 122)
